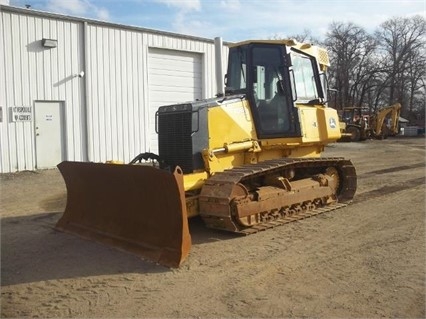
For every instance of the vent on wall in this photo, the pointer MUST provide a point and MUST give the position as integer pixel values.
(49, 43)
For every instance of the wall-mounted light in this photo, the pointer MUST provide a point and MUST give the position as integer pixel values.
(49, 43)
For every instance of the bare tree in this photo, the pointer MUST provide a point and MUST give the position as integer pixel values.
(416, 81)
(402, 47)
(380, 69)
(351, 51)
(305, 37)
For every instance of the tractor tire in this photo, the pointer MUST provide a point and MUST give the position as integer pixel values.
(355, 133)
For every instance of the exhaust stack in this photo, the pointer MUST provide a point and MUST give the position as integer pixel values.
(218, 45)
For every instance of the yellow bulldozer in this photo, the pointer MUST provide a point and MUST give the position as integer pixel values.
(356, 126)
(245, 160)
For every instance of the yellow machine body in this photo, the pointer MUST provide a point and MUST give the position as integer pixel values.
(233, 141)
(244, 161)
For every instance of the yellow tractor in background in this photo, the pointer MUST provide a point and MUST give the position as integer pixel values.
(385, 121)
(245, 161)
(353, 125)
(356, 125)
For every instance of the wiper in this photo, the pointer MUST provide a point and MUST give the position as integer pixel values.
(230, 91)
(314, 101)
(232, 96)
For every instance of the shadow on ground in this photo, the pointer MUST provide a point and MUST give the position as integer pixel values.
(32, 251)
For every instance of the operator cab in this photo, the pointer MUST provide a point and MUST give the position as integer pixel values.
(274, 78)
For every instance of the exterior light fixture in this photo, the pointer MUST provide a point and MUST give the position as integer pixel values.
(49, 43)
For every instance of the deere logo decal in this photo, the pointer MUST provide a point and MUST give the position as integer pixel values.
(332, 122)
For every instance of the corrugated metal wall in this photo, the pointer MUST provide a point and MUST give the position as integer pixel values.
(107, 110)
(30, 72)
(115, 77)
(120, 121)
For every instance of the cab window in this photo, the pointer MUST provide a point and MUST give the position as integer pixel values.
(304, 77)
(270, 91)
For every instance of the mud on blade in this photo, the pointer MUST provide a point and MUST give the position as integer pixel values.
(136, 208)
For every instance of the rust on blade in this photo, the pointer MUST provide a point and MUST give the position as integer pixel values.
(136, 208)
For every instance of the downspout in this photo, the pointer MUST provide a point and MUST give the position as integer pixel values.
(85, 100)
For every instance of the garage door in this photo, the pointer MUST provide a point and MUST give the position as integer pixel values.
(173, 77)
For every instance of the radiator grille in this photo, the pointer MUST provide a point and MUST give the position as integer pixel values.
(323, 57)
(174, 139)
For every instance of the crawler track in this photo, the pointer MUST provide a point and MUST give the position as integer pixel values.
(233, 200)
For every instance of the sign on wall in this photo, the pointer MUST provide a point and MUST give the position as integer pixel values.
(21, 113)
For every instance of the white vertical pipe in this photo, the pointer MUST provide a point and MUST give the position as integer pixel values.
(218, 44)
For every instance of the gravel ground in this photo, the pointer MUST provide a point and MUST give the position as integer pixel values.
(364, 260)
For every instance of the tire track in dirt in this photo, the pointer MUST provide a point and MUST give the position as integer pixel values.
(393, 169)
(389, 189)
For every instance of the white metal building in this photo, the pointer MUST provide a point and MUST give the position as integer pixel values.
(85, 90)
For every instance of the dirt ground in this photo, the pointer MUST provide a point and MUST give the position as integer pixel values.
(365, 260)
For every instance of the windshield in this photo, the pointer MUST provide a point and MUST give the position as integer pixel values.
(260, 70)
(304, 77)
(236, 80)
(271, 91)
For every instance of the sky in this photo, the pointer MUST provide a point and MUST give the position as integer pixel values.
(234, 20)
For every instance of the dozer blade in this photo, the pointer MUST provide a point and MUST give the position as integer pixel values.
(136, 208)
